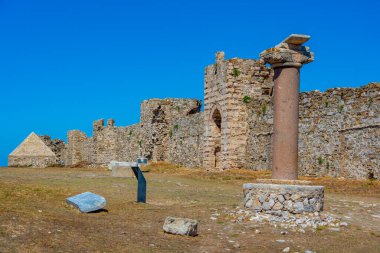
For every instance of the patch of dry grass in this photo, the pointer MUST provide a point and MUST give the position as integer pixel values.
(35, 218)
(335, 185)
(232, 174)
(348, 186)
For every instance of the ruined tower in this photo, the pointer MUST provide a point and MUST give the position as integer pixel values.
(229, 85)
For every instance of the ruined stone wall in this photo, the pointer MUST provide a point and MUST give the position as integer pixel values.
(158, 117)
(339, 128)
(339, 132)
(105, 140)
(108, 143)
(186, 141)
(259, 142)
(56, 145)
(150, 138)
(76, 151)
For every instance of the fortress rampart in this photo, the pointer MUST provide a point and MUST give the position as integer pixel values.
(339, 130)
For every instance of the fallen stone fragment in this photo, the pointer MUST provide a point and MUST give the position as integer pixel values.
(180, 226)
(287, 249)
(87, 202)
(343, 224)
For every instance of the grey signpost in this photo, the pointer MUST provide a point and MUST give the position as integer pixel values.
(141, 184)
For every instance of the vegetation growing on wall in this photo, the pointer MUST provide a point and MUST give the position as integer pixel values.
(247, 99)
(235, 72)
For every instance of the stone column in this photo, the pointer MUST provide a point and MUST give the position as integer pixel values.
(286, 59)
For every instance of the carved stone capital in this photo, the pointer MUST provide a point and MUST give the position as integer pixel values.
(289, 53)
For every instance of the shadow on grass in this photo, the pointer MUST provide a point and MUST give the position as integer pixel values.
(103, 210)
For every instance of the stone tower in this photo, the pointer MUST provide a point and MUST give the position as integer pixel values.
(229, 85)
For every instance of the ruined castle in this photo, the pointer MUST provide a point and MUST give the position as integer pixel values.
(339, 129)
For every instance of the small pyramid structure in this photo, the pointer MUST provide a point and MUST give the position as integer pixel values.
(32, 146)
(32, 152)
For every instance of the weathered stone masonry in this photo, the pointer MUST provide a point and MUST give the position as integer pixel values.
(339, 133)
(149, 138)
(339, 129)
(225, 114)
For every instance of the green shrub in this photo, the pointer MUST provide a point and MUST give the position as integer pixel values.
(341, 107)
(247, 99)
(235, 72)
(264, 109)
(320, 160)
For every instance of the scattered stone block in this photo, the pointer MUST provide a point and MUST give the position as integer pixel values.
(87, 202)
(181, 226)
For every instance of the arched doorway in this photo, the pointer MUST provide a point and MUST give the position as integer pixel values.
(217, 134)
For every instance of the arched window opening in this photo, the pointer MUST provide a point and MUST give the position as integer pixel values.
(217, 119)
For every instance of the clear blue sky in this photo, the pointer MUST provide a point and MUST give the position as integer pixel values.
(65, 63)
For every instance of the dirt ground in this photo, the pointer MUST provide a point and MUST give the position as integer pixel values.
(35, 218)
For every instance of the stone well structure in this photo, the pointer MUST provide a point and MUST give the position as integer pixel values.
(286, 59)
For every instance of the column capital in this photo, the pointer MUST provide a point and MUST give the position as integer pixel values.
(289, 53)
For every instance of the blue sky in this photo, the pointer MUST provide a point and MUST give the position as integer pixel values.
(65, 63)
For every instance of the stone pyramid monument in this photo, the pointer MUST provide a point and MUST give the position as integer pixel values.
(32, 152)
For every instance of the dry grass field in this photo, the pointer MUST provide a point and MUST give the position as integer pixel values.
(35, 218)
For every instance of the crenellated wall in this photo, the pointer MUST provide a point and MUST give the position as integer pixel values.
(149, 138)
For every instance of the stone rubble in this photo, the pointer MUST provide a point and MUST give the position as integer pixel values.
(286, 220)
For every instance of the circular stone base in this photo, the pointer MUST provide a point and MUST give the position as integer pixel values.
(283, 197)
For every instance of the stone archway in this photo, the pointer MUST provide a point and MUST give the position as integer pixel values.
(216, 121)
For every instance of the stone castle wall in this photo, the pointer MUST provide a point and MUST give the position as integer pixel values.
(149, 138)
(339, 128)
(339, 132)
(186, 141)
(56, 145)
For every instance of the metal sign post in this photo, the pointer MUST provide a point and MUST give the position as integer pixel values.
(141, 184)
